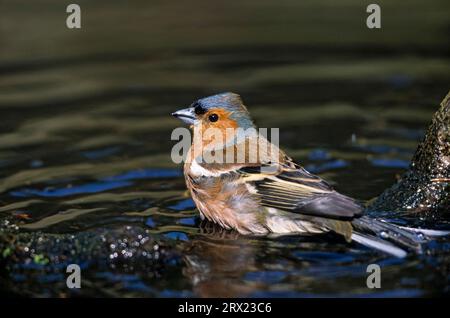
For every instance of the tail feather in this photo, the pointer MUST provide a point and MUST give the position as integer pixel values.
(427, 232)
(390, 238)
(379, 244)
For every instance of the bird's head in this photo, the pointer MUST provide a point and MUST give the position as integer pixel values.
(220, 111)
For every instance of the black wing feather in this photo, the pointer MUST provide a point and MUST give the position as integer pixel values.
(293, 189)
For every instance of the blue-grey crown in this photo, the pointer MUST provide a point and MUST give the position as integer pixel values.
(231, 102)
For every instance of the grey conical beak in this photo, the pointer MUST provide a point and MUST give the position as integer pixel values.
(187, 115)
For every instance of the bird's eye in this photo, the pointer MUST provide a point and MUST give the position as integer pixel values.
(213, 117)
(199, 110)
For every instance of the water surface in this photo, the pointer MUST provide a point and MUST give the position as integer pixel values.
(85, 169)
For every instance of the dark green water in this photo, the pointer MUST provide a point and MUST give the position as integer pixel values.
(85, 169)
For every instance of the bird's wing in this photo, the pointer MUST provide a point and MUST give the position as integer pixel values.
(289, 187)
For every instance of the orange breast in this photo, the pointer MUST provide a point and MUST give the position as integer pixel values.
(226, 202)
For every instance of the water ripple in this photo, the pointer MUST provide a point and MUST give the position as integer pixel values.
(94, 187)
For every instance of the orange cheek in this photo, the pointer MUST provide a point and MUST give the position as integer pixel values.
(224, 123)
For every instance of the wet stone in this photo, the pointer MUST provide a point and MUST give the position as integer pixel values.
(42, 258)
(425, 188)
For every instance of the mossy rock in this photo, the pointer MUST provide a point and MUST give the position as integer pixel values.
(425, 187)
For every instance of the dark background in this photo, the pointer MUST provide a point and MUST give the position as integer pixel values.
(85, 138)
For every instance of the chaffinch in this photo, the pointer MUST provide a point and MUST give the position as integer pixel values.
(270, 194)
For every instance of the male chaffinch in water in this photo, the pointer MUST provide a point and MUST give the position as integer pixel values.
(272, 194)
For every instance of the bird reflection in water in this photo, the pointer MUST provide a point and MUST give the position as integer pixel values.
(217, 260)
